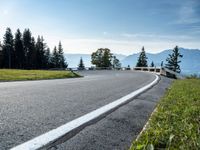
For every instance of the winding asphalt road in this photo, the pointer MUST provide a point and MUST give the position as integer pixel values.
(31, 108)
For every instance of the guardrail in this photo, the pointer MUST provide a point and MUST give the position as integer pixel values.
(170, 72)
(150, 69)
(162, 71)
(97, 68)
(159, 70)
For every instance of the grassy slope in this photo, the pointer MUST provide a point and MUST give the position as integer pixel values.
(176, 123)
(17, 75)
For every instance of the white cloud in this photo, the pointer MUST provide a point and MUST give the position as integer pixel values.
(87, 45)
(155, 37)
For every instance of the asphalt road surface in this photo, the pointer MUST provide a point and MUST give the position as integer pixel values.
(31, 108)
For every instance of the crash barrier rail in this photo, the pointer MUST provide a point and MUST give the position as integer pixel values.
(162, 71)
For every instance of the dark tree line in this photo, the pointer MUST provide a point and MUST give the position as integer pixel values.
(22, 51)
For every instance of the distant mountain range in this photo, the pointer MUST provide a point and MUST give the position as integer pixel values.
(190, 62)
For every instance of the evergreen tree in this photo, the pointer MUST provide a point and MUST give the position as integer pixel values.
(27, 47)
(40, 53)
(173, 60)
(19, 50)
(62, 63)
(43, 51)
(47, 58)
(116, 63)
(55, 58)
(81, 65)
(161, 64)
(8, 49)
(1, 55)
(152, 64)
(32, 55)
(38, 56)
(142, 60)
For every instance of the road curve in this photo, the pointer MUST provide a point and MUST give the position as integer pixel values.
(31, 108)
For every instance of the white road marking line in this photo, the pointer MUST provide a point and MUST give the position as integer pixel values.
(71, 128)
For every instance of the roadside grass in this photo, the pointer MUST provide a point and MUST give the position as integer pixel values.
(20, 75)
(176, 122)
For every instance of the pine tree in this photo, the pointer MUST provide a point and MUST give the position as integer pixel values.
(152, 64)
(62, 63)
(173, 60)
(142, 60)
(161, 64)
(81, 65)
(8, 49)
(43, 49)
(19, 50)
(32, 55)
(1, 55)
(40, 53)
(55, 58)
(27, 47)
(47, 58)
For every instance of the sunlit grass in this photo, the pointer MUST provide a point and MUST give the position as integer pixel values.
(17, 75)
(176, 122)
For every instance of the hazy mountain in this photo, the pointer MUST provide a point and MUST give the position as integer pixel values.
(74, 59)
(190, 62)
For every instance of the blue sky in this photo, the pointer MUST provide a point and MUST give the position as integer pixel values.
(124, 26)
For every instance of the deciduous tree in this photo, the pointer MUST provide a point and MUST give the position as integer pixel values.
(102, 58)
